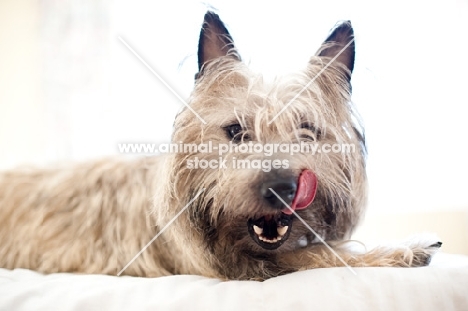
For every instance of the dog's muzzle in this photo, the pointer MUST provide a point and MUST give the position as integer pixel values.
(271, 230)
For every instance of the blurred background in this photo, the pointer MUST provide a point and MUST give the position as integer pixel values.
(71, 91)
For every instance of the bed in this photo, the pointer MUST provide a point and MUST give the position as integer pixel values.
(441, 286)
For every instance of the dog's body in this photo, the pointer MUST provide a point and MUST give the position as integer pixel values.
(242, 223)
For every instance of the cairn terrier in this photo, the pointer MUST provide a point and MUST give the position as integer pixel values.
(236, 214)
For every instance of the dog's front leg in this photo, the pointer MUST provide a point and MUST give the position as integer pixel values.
(415, 253)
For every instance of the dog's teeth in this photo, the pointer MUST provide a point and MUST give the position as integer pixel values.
(274, 240)
(257, 230)
(282, 230)
(264, 239)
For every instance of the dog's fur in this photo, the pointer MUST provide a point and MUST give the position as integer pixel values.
(94, 217)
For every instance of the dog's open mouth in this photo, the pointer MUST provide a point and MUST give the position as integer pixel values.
(270, 231)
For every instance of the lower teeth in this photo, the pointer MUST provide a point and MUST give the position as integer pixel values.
(258, 230)
(274, 240)
(280, 230)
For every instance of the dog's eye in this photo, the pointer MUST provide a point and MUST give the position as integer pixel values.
(236, 132)
(307, 128)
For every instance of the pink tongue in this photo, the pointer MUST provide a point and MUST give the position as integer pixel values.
(305, 194)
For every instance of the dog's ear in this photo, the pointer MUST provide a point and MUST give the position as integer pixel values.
(215, 41)
(340, 46)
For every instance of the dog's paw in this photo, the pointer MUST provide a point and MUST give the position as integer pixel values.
(421, 249)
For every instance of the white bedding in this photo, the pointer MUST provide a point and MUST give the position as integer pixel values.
(441, 286)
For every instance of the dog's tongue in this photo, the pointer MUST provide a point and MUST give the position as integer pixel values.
(305, 194)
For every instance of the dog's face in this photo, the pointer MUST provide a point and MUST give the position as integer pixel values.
(245, 211)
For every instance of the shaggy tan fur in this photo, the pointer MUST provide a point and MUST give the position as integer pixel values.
(94, 217)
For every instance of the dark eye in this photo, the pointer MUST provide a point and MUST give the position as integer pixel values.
(236, 132)
(310, 128)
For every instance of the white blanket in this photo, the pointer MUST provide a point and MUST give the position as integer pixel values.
(441, 286)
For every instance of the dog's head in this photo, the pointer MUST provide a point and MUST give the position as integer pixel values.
(254, 195)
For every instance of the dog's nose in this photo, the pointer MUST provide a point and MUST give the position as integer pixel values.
(285, 188)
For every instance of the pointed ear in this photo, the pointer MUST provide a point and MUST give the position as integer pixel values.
(215, 41)
(340, 45)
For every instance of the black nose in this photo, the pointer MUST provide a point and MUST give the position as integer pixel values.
(285, 188)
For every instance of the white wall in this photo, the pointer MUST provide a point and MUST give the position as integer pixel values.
(21, 106)
(409, 82)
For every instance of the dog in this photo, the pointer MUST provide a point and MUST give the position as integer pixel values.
(285, 212)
